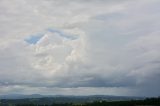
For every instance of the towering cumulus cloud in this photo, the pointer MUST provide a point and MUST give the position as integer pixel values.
(80, 47)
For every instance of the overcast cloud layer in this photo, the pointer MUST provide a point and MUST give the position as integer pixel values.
(80, 47)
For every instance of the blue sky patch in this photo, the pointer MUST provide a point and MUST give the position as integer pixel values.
(33, 39)
(62, 34)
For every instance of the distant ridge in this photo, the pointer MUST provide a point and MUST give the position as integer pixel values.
(106, 97)
(20, 96)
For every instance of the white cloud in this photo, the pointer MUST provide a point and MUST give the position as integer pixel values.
(99, 47)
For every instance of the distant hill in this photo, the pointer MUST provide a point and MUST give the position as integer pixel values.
(49, 99)
(106, 97)
(20, 96)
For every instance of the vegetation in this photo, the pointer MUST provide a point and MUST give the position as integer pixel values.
(145, 102)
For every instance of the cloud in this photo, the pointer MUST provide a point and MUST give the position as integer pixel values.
(88, 47)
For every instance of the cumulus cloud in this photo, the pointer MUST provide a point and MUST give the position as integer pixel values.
(84, 47)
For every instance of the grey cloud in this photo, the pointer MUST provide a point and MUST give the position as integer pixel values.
(116, 50)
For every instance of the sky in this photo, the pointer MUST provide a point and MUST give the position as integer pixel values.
(80, 47)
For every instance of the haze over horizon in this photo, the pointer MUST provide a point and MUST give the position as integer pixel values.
(80, 47)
